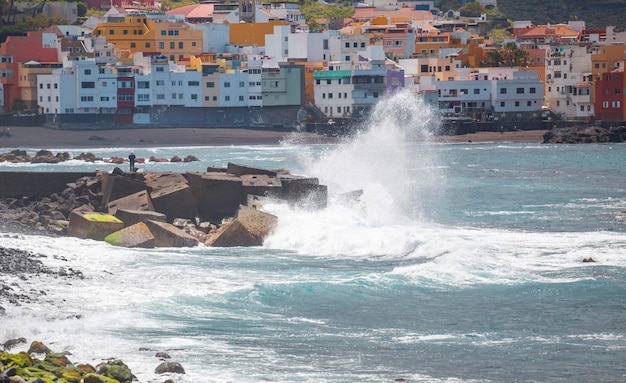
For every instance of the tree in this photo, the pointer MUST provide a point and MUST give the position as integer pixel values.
(472, 9)
(81, 9)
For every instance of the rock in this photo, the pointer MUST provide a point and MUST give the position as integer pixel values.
(137, 235)
(88, 157)
(175, 159)
(168, 235)
(97, 378)
(175, 201)
(585, 134)
(169, 367)
(191, 158)
(9, 344)
(37, 347)
(156, 159)
(84, 224)
(162, 355)
(249, 227)
(116, 369)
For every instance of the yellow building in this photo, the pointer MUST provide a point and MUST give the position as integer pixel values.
(138, 33)
(609, 57)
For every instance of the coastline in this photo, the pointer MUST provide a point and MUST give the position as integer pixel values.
(46, 138)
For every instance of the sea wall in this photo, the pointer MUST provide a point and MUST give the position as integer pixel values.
(36, 184)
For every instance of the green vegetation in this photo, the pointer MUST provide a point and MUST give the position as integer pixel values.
(596, 14)
(313, 10)
(509, 55)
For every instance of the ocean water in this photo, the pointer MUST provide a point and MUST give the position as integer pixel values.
(461, 263)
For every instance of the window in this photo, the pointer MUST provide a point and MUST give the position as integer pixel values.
(328, 82)
(227, 85)
(87, 72)
(147, 45)
(362, 45)
(424, 68)
(502, 90)
(242, 84)
(143, 85)
(355, 45)
(163, 33)
(317, 82)
(375, 94)
(111, 31)
(193, 83)
(143, 97)
(582, 108)
(194, 96)
(104, 98)
(160, 69)
(240, 98)
(173, 96)
(180, 45)
(161, 45)
(160, 82)
(605, 104)
(520, 90)
(347, 58)
(193, 43)
(347, 45)
(40, 86)
(516, 103)
(226, 98)
(86, 98)
(532, 90)
(210, 84)
(528, 103)
(476, 91)
(616, 104)
(125, 32)
(330, 95)
(502, 104)
(172, 45)
(86, 85)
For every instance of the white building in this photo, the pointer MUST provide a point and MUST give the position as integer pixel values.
(568, 73)
(80, 87)
(233, 89)
(333, 91)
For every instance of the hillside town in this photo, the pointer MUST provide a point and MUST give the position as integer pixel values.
(254, 64)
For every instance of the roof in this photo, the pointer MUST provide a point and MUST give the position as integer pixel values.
(331, 74)
(195, 11)
(541, 31)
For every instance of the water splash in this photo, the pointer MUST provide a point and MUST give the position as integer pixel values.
(387, 159)
(390, 160)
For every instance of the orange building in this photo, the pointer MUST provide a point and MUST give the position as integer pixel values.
(246, 34)
(14, 51)
(139, 33)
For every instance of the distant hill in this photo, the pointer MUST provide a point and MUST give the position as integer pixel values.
(596, 13)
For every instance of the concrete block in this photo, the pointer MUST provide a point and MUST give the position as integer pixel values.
(168, 235)
(87, 224)
(137, 235)
(217, 194)
(287, 180)
(137, 201)
(307, 196)
(260, 185)
(249, 227)
(160, 180)
(115, 187)
(240, 170)
(175, 201)
(131, 217)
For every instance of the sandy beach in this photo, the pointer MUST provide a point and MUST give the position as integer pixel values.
(45, 138)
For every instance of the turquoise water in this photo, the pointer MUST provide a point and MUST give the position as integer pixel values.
(462, 263)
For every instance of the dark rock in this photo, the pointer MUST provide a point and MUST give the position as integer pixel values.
(191, 158)
(169, 367)
(162, 355)
(36, 347)
(9, 344)
(585, 135)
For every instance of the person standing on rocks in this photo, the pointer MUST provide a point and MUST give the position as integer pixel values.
(131, 159)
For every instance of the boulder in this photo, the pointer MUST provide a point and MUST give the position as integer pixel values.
(249, 227)
(86, 224)
(137, 235)
(137, 201)
(131, 217)
(168, 235)
(169, 367)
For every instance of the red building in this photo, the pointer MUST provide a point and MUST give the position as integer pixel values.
(16, 50)
(125, 96)
(609, 103)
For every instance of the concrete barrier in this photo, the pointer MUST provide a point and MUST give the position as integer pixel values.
(36, 184)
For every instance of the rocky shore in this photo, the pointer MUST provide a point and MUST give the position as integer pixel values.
(585, 135)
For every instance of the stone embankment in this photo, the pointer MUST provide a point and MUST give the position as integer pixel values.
(47, 157)
(219, 207)
(585, 135)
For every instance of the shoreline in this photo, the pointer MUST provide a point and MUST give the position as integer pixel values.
(47, 138)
